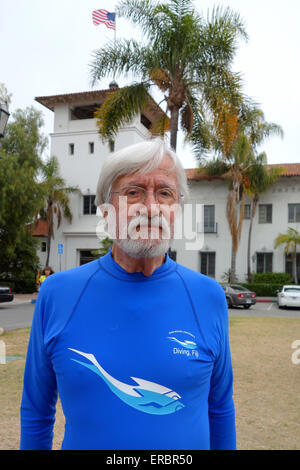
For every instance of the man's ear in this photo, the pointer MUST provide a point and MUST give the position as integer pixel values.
(104, 211)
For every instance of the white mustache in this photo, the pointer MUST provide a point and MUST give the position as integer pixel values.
(155, 221)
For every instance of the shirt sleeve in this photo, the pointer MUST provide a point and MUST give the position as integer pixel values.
(220, 403)
(39, 396)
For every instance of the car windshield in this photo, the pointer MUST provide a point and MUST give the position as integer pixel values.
(292, 289)
(238, 288)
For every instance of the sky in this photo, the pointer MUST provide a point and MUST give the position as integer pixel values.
(46, 47)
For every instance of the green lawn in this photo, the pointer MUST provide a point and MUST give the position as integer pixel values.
(266, 384)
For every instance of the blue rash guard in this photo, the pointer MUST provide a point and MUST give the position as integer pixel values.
(138, 362)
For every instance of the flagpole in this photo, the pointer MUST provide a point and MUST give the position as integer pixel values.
(115, 36)
(115, 31)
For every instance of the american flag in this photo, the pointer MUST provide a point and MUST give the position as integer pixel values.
(103, 16)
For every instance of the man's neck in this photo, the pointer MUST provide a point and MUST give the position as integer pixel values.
(134, 265)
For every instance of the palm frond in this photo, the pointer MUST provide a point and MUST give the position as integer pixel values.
(120, 107)
(161, 78)
(123, 57)
(215, 167)
(160, 126)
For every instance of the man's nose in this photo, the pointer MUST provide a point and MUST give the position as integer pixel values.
(151, 203)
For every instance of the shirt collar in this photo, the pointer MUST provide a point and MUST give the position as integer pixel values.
(112, 267)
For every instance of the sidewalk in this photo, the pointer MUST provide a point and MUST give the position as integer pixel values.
(25, 298)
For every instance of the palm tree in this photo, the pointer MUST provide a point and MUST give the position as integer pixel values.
(291, 240)
(261, 178)
(186, 56)
(56, 195)
(237, 132)
(235, 171)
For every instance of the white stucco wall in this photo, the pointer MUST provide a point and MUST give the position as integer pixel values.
(285, 191)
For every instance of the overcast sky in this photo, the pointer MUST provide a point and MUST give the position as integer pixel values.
(46, 48)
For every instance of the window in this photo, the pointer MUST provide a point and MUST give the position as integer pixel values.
(88, 205)
(44, 247)
(247, 211)
(111, 145)
(289, 264)
(209, 219)
(145, 121)
(265, 214)
(71, 149)
(91, 147)
(172, 254)
(238, 288)
(294, 212)
(84, 112)
(85, 256)
(264, 262)
(208, 263)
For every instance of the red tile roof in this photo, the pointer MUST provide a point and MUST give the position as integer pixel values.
(40, 228)
(291, 169)
(152, 109)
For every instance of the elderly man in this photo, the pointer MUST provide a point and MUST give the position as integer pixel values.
(135, 344)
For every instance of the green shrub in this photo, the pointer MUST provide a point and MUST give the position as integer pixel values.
(8, 284)
(272, 278)
(263, 290)
(20, 286)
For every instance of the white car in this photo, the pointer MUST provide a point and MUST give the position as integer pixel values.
(289, 296)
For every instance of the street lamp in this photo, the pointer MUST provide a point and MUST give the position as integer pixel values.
(4, 115)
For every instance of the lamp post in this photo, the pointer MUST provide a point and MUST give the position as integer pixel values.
(4, 115)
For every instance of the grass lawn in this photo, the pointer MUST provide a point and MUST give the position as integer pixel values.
(266, 385)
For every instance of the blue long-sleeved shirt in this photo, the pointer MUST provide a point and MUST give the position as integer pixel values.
(138, 362)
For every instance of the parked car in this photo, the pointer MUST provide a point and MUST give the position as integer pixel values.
(238, 295)
(5, 294)
(289, 296)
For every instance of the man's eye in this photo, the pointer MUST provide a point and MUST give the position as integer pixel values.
(133, 192)
(165, 193)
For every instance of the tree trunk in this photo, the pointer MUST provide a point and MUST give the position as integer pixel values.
(174, 127)
(294, 255)
(253, 211)
(48, 249)
(232, 276)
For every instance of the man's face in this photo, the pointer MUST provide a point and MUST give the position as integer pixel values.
(145, 206)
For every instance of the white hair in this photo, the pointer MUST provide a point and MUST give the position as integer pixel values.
(140, 158)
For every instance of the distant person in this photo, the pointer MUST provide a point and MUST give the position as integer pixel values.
(47, 271)
(37, 280)
(135, 345)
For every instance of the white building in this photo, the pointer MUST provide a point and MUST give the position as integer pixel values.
(278, 209)
(78, 146)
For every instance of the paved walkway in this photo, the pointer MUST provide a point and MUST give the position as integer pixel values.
(25, 298)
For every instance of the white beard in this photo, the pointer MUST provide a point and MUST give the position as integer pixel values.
(139, 246)
(144, 249)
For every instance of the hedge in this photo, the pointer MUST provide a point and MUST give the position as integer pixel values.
(272, 278)
(263, 290)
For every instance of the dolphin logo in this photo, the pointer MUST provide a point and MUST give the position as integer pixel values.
(146, 396)
(186, 344)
